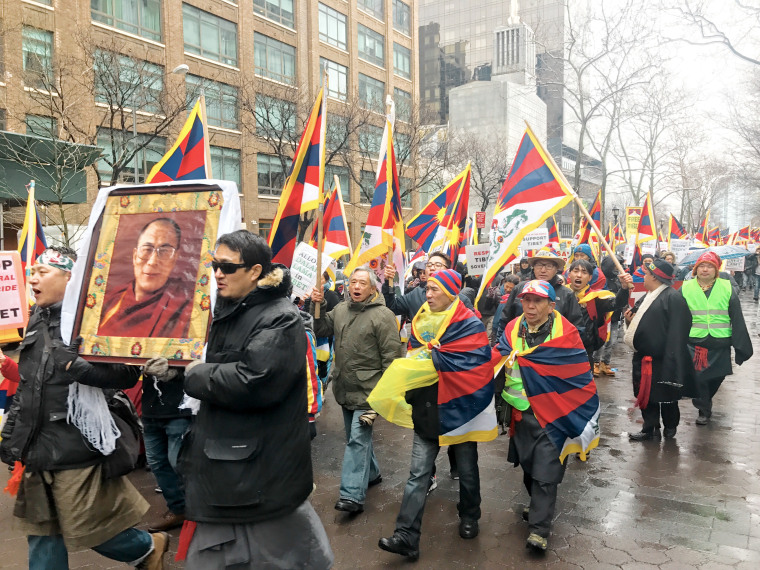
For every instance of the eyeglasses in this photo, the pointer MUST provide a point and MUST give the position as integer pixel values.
(544, 264)
(226, 267)
(437, 265)
(164, 253)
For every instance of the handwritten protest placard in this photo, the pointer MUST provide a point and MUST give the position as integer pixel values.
(735, 264)
(303, 271)
(679, 247)
(14, 307)
(477, 257)
(535, 239)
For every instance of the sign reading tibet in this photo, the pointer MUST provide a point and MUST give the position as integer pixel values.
(477, 258)
(14, 307)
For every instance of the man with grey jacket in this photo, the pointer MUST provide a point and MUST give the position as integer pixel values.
(366, 342)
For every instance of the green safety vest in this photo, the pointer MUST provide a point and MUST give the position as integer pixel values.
(709, 315)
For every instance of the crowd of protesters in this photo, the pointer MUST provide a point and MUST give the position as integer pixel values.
(228, 440)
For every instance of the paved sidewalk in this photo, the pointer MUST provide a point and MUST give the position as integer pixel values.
(690, 502)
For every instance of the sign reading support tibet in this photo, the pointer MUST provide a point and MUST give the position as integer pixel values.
(14, 306)
(303, 271)
(535, 239)
(477, 258)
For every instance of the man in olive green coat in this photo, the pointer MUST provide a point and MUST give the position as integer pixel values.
(366, 342)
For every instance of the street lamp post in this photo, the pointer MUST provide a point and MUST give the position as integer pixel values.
(615, 212)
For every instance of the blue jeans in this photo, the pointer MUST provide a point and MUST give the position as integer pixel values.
(359, 461)
(756, 282)
(424, 452)
(49, 552)
(163, 438)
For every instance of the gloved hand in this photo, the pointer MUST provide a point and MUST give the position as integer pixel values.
(63, 355)
(158, 367)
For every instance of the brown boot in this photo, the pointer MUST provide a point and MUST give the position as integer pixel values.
(155, 560)
(596, 369)
(606, 370)
(168, 521)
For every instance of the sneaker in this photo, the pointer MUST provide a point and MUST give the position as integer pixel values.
(168, 521)
(433, 485)
(596, 369)
(536, 543)
(605, 369)
(155, 560)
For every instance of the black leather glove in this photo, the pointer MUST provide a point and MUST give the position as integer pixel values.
(64, 355)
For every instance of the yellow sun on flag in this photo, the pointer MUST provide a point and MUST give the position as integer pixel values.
(440, 214)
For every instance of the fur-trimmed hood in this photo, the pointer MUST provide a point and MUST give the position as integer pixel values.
(276, 283)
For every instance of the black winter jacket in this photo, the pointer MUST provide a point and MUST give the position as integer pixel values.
(36, 432)
(247, 456)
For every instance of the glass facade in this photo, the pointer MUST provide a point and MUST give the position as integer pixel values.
(371, 46)
(332, 27)
(41, 126)
(343, 178)
(337, 78)
(402, 18)
(209, 36)
(140, 17)
(274, 117)
(403, 100)
(270, 174)
(146, 158)
(371, 93)
(274, 59)
(374, 7)
(402, 61)
(280, 11)
(225, 164)
(37, 50)
(370, 139)
(121, 81)
(221, 101)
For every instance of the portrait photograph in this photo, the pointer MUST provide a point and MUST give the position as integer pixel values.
(147, 287)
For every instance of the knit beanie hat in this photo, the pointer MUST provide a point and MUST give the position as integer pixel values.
(448, 280)
(707, 257)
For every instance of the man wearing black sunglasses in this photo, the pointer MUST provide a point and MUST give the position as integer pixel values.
(246, 460)
(153, 304)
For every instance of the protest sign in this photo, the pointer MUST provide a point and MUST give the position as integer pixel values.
(535, 239)
(14, 306)
(648, 247)
(477, 257)
(303, 271)
(679, 247)
(735, 264)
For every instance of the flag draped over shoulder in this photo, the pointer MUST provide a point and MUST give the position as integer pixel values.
(646, 229)
(385, 225)
(449, 234)
(189, 158)
(302, 187)
(449, 347)
(32, 241)
(558, 382)
(532, 192)
(596, 216)
(335, 239)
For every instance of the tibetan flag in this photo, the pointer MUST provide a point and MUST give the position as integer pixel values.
(422, 227)
(533, 191)
(32, 241)
(646, 230)
(675, 229)
(449, 234)
(618, 235)
(335, 239)
(701, 234)
(713, 236)
(558, 382)
(385, 226)
(635, 268)
(303, 186)
(596, 215)
(189, 158)
(449, 347)
(755, 235)
(743, 233)
(553, 231)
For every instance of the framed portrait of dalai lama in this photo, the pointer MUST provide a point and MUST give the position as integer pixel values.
(143, 285)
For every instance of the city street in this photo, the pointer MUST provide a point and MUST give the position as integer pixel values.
(692, 501)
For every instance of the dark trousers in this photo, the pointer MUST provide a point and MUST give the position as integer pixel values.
(706, 390)
(669, 412)
(543, 499)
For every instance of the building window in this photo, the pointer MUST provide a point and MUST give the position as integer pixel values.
(403, 102)
(280, 11)
(37, 48)
(342, 173)
(274, 59)
(221, 101)
(225, 164)
(121, 81)
(371, 93)
(370, 139)
(374, 7)
(41, 126)
(270, 174)
(371, 46)
(402, 20)
(337, 78)
(332, 27)
(265, 228)
(402, 61)
(366, 187)
(274, 118)
(2, 119)
(146, 158)
(141, 17)
(209, 36)
(401, 143)
(406, 194)
(336, 132)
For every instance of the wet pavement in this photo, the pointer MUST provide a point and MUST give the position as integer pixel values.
(689, 502)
